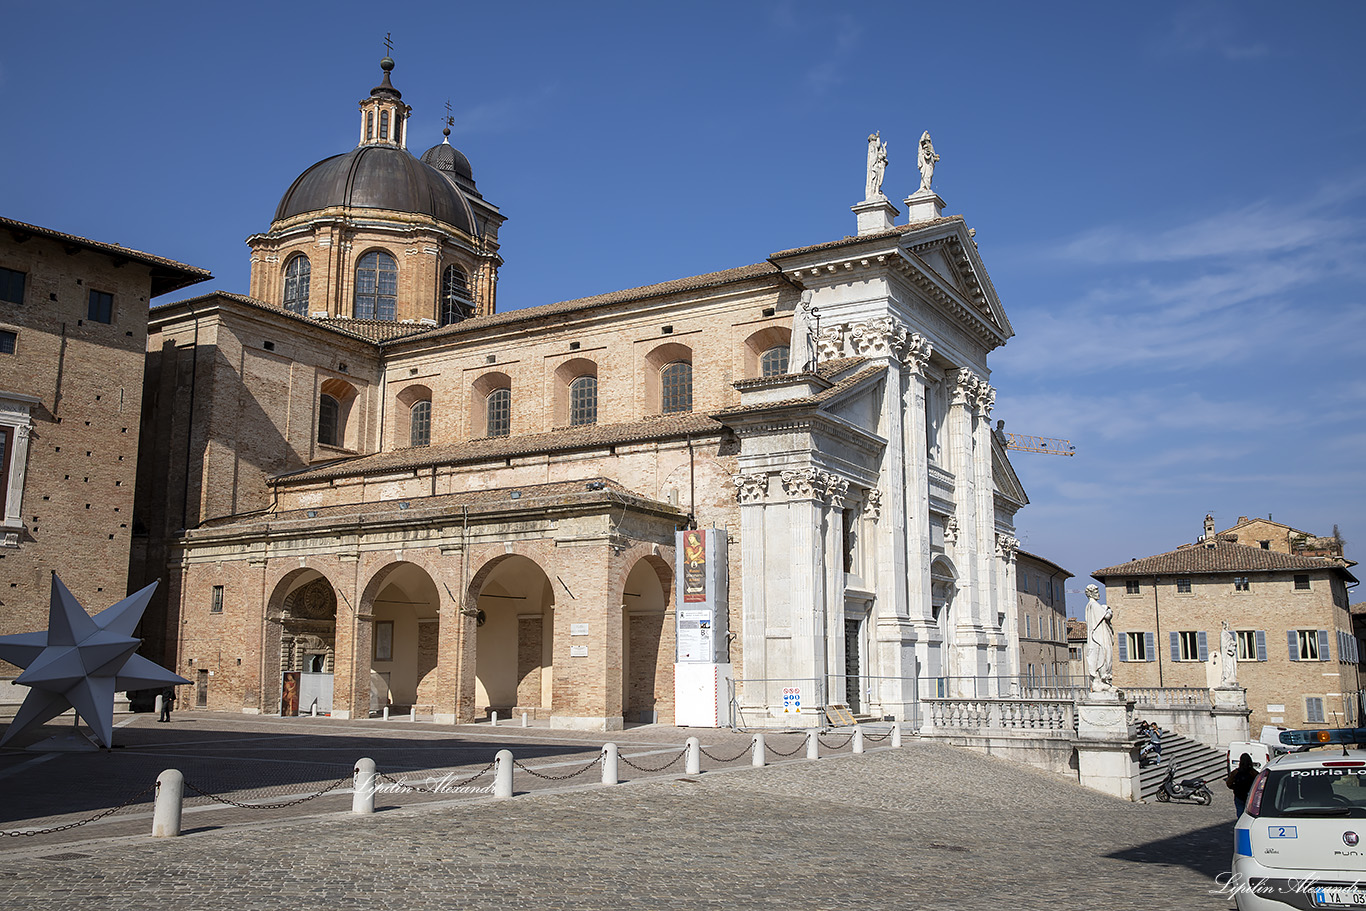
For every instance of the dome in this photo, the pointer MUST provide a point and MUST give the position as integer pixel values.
(446, 157)
(378, 177)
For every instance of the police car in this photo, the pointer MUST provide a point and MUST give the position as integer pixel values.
(1299, 844)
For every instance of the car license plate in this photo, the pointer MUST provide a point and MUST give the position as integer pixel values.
(1338, 897)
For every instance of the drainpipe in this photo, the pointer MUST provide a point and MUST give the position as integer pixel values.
(1157, 636)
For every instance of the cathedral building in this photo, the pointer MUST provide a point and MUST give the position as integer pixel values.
(364, 485)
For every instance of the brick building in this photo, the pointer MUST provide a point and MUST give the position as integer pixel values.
(1041, 620)
(73, 335)
(364, 473)
(1297, 655)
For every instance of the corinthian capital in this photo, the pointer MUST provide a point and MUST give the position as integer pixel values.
(881, 337)
(986, 399)
(1007, 546)
(965, 384)
(802, 483)
(750, 488)
(830, 343)
(916, 353)
(835, 488)
(872, 504)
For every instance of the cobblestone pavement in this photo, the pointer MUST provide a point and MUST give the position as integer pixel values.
(927, 826)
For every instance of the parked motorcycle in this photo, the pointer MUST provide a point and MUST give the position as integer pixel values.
(1193, 789)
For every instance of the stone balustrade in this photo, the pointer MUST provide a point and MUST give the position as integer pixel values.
(947, 715)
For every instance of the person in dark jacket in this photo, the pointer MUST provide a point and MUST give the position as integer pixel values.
(167, 697)
(1240, 782)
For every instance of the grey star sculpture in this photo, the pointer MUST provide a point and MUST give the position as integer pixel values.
(80, 662)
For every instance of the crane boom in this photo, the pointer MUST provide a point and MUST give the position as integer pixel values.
(1049, 445)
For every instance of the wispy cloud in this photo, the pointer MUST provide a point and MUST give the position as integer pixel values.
(1211, 28)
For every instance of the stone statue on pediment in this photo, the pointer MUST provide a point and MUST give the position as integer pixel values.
(925, 161)
(877, 166)
(1100, 642)
(1228, 657)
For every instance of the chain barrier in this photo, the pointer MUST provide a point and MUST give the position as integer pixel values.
(72, 825)
(271, 806)
(442, 788)
(712, 756)
(840, 747)
(517, 763)
(640, 768)
(777, 752)
(868, 736)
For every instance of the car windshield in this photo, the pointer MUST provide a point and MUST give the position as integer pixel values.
(1315, 792)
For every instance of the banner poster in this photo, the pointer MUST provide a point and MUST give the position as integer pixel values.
(702, 610)
(289, 698)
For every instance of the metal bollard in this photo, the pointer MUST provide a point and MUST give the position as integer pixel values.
(757, 751)
(694, 766)
(170, 797)
(502, 774)
(314, 710)
(363, 788)
(493, 718)
(858, 739)
(896, 735)
(813, 744)
(156, 705)
(524, 719)
(609, 763)
(386, 713)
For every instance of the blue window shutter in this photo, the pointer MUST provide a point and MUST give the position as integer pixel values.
(1294, 644)
(1204, 647)
(1323, 645)
(1261, 645)
(1123, 639)
(1176, 646)
(1150, 643)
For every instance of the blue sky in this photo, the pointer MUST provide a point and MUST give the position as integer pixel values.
(1170, 197)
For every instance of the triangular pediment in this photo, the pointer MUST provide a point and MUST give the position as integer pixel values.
(947, 257)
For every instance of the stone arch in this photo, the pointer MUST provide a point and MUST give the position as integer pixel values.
(343, 394)
(301, 630)
(514, 608)
(660, 357)
(405, 606)
(408, 398)
(647, 638)
(759, 342)
(565, 374)
(480, 390)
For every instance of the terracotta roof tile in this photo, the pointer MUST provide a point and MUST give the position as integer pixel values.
(1220, 557)
(817, 399)
(567, 438)
(332, 325)
(863, 238)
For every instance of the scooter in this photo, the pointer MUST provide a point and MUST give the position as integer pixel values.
(1193, 789)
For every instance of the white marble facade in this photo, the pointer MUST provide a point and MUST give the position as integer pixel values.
(875, 500)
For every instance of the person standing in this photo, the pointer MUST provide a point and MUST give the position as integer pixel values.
(1240, 781)
(167, 697)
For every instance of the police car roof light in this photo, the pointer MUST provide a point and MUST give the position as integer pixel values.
(1329, 735)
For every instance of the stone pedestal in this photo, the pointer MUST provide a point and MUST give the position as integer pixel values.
(923, 205)
(875, 215)
(1106, 745)
(1231, 714)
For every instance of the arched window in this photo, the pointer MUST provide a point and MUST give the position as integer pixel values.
(420, 426)
(369, 124)
(499, 412)
(675, 387)
(376, 286)
(773, 362)
(583, 401)
(329, 421)
(383, 124)
(297, 274)
(455, 296)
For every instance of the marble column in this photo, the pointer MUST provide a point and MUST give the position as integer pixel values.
(965, 619)
(984, 505)
(806, 582)
(752, 492)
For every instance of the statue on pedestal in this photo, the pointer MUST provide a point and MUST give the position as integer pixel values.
(877, 166)
(1100, 642)
(925, 161)
(1228, 658)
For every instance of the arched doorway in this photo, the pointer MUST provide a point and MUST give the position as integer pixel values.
(514, 638)
(405, 604)
(301, 632)
(647, 638)
(943, 585)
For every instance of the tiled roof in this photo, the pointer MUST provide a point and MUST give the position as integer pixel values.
(338, 326)
(826, 370)
(376, 330)
(168, 275)
(1220, 557)
(1038, 559)
(823, 396)
(863, 238)
(1076, 629)
(592, 436)
(586, 489)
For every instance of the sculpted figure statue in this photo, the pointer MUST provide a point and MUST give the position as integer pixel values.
(877, 165)
(925, 160)
(1228, 649)
(1100, 642)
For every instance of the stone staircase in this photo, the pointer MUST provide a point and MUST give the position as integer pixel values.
(1193, 760)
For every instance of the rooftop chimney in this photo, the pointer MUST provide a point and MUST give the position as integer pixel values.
(1209, 527)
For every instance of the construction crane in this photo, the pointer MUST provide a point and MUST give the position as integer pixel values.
(1025, 443)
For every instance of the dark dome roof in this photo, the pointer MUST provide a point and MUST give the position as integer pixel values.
(446, 157)
(378, 177)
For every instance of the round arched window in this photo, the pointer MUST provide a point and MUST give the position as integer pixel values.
(675, 387)
(773, 362)
(583, 401)
(455, 296)
(420, 427)
(297, 274)
(376, 286)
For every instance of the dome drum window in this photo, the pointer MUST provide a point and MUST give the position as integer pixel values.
(376, 287)
(297, 275)
(455, 296)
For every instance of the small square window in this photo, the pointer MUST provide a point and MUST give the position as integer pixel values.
(1301, 583)
(216, 600)
(1247, 645)
(1183, 586)
(1307, 641)
(1136, 646)
(1241, 584)
(1130, 586)
(101, 307)
(7, 341)
(12, 286)
(1265, 545)
(1190, 646)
